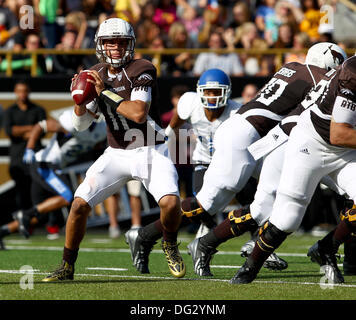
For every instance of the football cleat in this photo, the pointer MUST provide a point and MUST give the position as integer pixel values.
(175, 261)
(273, 262)
(24, 223)
(140, 250)
(246, 274)
(64, 272)
(326, 260)
(201, 258)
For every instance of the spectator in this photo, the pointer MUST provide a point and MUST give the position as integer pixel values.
(77, 22)
(8, 27)
(240, 15)
(285, 37)
(48, 9)
(265, 18)
(214, 18)
(128, 10)
(249, 91)
(165, 14)
(228, 62)
(22, 64)
(192, 22)
(166, 63)
(285, 13)
(178, 38)
(247, 37)
(312, 16)
(300, 41)
(147, 31)
(67, 63)
(19, 120)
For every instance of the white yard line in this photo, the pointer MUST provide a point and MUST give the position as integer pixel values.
(106, 269)
(185, 279)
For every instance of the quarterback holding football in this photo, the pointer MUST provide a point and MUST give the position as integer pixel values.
(126, 97)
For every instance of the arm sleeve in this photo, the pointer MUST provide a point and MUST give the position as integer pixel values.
(344, 110)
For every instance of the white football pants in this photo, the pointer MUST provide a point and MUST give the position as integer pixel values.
(231, 166)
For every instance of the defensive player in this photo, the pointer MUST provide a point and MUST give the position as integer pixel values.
(205, 110)
(51, 189)
(127, 98)
(322, 143)
(319, 59)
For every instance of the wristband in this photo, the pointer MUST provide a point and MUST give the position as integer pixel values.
(111, 99)
(43, 125)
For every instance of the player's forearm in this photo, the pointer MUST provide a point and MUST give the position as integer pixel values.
(134, 110)
(82, 118)
(176, 122)
(342, 135)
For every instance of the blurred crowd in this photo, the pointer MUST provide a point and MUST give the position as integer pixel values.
(159, 24)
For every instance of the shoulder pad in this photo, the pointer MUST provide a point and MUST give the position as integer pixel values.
(140, 67)
(186, 104)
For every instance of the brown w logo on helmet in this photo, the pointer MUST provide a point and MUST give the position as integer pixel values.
(337, 56)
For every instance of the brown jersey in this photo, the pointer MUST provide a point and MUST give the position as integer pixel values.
(280, 95)
(315, 95)
(321, 112)
(122, 132)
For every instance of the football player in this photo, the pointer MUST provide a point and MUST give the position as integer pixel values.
(281, 94)
(205, 110)
(126, 91)
(51, 189)
(322, 143)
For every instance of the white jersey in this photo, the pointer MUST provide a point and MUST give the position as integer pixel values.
(190, 109)
(64, 150)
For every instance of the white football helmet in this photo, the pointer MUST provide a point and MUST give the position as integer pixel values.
(325, 55)
(115, 28)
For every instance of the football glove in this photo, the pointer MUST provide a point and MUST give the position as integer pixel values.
(29, 156)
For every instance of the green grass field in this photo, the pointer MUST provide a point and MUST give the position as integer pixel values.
(104, 272)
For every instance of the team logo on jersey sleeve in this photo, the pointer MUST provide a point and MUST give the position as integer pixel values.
(145, 76)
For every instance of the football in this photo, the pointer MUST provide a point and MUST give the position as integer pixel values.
(83, 91)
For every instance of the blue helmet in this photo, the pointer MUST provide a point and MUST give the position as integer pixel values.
(214, 79)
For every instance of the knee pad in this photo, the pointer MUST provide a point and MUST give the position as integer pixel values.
(194, 212)
(241, 221)
(270, 237)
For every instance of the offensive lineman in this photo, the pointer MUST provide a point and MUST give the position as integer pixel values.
(240, 221)
(126, 97)
(322, 143)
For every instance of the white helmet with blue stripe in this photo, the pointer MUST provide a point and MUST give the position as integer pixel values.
(214, 79)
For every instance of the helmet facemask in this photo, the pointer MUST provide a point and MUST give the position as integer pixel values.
(220, 100)
(125, 56)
